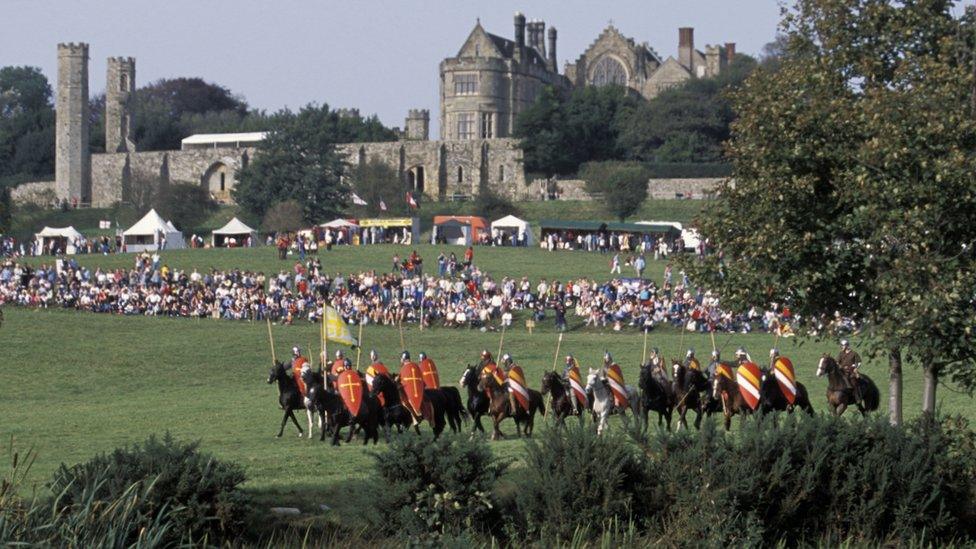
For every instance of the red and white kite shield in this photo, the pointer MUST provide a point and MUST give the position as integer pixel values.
(749, 379)
(429, 372)
(516, 386)
(412, 380)
(786, 377)
(615, 378)
(351, 390)
(576, 386)
(296, 374)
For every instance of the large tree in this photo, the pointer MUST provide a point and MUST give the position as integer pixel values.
(378, 185)
(297, 161)
(853, 188)
(26, 123)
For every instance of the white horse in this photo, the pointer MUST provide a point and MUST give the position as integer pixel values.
(603, 402)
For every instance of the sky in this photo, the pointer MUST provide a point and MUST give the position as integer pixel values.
(378, 56)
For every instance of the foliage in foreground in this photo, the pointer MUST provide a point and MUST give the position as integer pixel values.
(200, 496)
(431, 488)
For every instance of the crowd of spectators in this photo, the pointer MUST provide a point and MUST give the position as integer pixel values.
(460, 295)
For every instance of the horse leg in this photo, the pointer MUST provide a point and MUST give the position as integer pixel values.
(497, 433)
(335, 434)
(291, 414)
(311, 421)
(698, 418)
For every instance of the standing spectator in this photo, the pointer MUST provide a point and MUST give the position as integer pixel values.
(468, 257)
(615, 264)
(639, 265)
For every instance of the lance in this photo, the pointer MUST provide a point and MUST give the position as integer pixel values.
(274, 360)
(359, 348)
(501, 341)
(403, 346)
(555, 359)
(644, 352)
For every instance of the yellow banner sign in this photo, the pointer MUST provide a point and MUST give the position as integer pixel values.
(392, 222)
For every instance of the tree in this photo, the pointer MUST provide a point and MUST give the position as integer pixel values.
(297, 161)
(161, 108)
(853, 190)
(26, 123)
(376, 183)
(283, 217)
(187, 205)
(622, 186)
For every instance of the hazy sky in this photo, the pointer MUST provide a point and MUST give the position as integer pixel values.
(379, 56)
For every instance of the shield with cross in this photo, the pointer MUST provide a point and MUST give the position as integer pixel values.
(412, 380)
(351, 390)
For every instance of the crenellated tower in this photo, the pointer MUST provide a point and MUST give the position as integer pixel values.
(417, 126)
(72, 152)
(120, 90)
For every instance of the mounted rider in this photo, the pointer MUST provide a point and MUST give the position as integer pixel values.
(489, 368)
(339, 364)
(691, 362)
(850, 363)
(613, 377)
(298, 362)
(432, 379)
(713, 365)
(742, 356)
(656, 360)
(515, 382)
(375, 368)
(573, 381)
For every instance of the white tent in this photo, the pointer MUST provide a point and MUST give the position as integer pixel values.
(338, 224)
(513, 227)
(64, 239)
(236, 229)
(147, 234)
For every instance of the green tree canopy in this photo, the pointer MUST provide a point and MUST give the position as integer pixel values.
(622, 186)
(26, 123)
(853, 187)
(297, 161)
(376, 183)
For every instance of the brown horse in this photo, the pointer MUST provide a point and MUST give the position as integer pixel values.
(688, 386)
(840, 393)
(726, 392)
(499, 407)
(563, 404)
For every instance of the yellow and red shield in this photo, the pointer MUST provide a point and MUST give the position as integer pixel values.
(749, 379)
(724, 369)
(576, 386)
(412, 380)
(429, 371)
(338, 365)
(296, 374)
(786, 378)
(615, 378)
(351, 391)
(516, 386)
(375, 369)
(694, 364)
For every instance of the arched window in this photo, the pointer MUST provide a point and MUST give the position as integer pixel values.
(460, 175)
(608, 71)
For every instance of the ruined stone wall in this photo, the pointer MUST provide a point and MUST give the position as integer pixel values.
(705, 187)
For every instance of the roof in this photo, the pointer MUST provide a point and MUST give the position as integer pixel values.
(151, 223)
(509, 221)
(339, 223)
(56, 232)
(473, 220)
(210, 138)
(234, 226)
(610, 226)
(507, 47)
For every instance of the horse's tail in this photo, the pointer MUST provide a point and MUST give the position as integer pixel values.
(871, 395)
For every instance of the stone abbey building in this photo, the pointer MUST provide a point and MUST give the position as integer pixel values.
(482, 90)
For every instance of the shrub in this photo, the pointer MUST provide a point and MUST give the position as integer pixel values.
(433, 488)
(623, 185)
(199, 494)
(575, 478)
(817, 479)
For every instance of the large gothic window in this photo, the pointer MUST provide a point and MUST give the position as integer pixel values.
(608, 71)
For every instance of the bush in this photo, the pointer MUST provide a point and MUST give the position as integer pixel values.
(492, 205)
(578, 479)
(623, 185)
(435, 488)
(199, 494)
(283, 217)
(817, 479)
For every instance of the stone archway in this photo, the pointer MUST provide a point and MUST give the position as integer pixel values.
(417, 179)
(219, 180)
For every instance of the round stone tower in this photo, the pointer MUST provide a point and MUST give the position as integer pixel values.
(120, 89)
(72, 153)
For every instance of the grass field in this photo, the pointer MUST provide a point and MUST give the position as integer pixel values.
(74, 384)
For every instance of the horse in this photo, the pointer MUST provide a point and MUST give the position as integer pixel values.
(726, 392)
(289, 397)
(368, 417)
(395, 414)
(772, 399)
(477, 400)
(453, 407)
(563, 403)
(656, 394)
(314, 401)
(604, 402)
(499, 407)
(840, 394)
(688, 385)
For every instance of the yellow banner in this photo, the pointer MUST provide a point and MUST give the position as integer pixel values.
(392, 222)
(336, 329)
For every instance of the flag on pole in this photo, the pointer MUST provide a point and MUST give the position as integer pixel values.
(412, 202)
(382, 205)
(357, 200)
(336, 329)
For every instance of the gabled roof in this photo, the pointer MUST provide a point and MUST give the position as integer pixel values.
(234, 226)
(503, 47)
(151, 223)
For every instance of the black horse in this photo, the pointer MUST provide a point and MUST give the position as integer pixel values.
(656, 394)
(477, 400)
(395, 414)
(772, 399)
(289, 397)
(563, 403)
(453, 408)
(688, 386)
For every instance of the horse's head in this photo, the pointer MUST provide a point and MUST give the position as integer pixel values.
(277, 370)
(591, 378)
(826, 365)
(468, 377)
(676, 368)
(548, 380)
(717, 387)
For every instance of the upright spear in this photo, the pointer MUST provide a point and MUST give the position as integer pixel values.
(555, 359)
(274, 360)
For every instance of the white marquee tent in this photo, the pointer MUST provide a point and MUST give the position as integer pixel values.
(64, 239)
(148, 233)
(513, 226)
(236, 229)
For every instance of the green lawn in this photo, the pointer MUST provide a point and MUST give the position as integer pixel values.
(74, 384)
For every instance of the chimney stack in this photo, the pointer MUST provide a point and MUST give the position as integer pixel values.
(552, 50)
(540, 37)
(519, 35)
(686, 47)
(729, 52)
